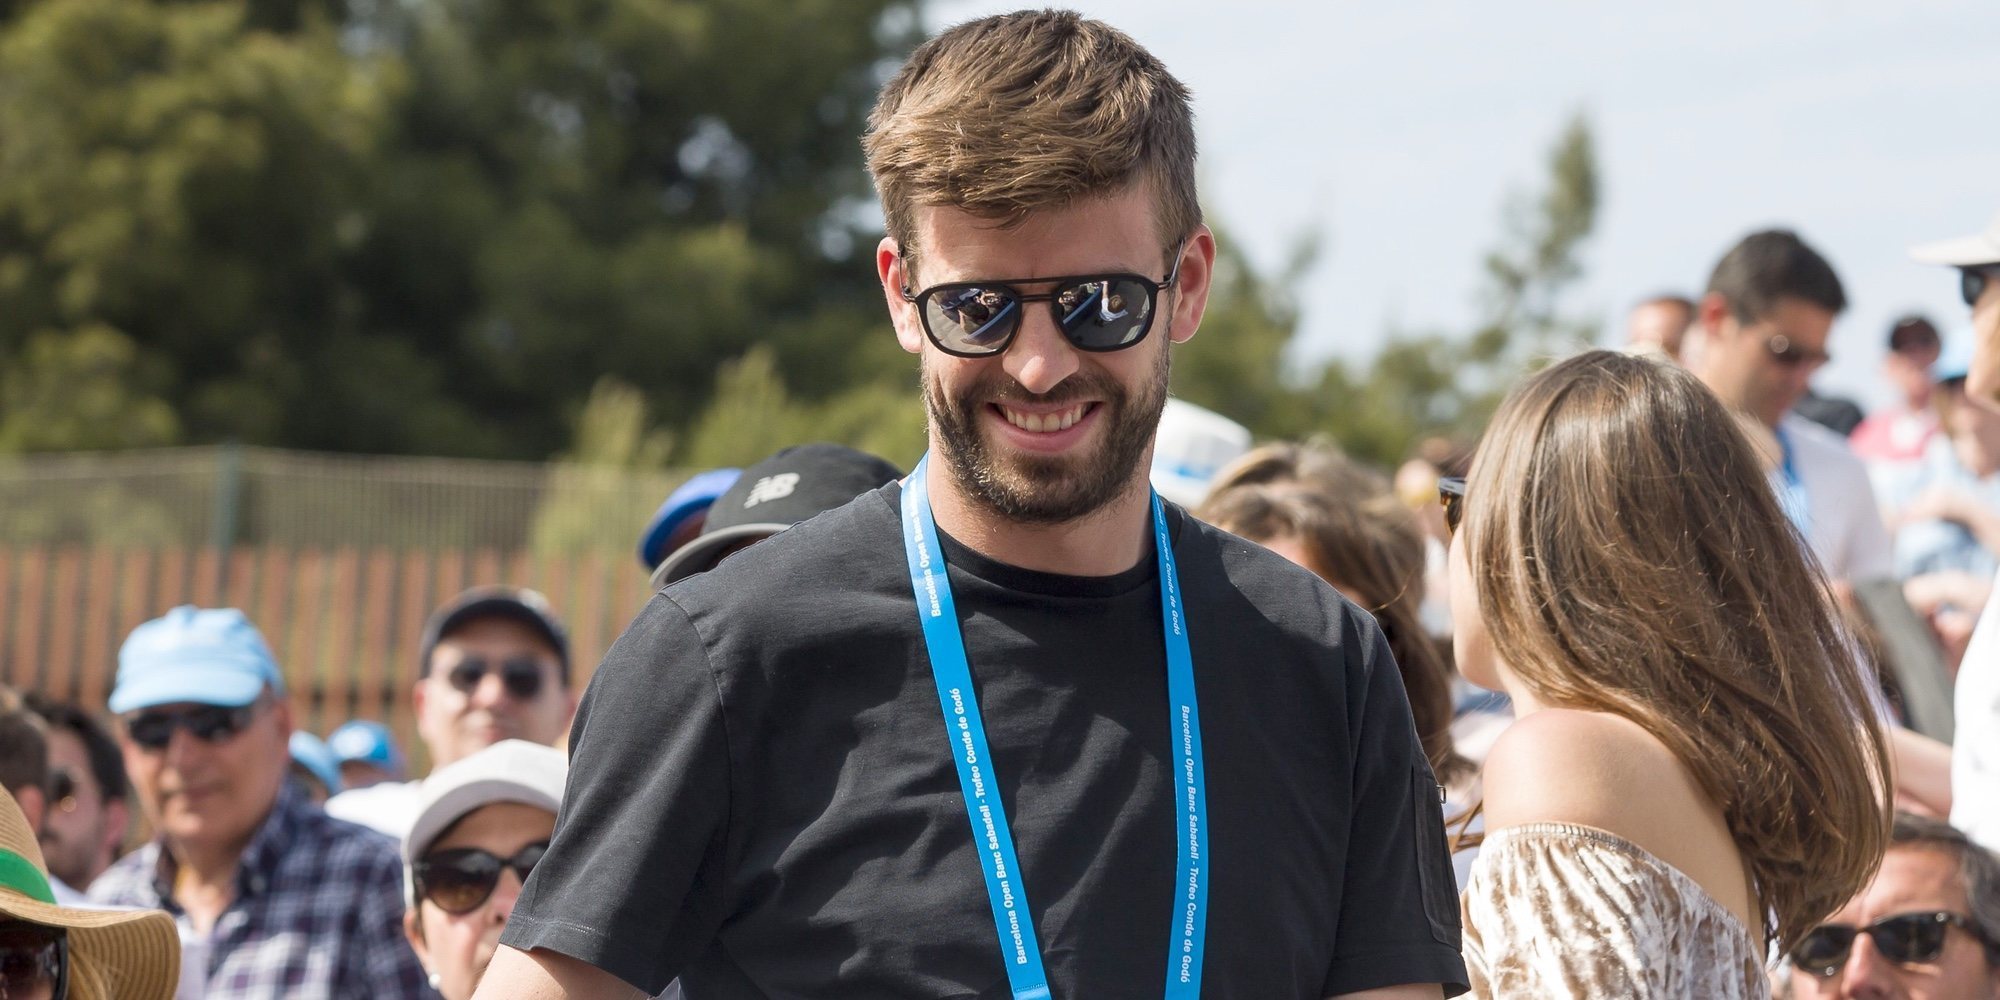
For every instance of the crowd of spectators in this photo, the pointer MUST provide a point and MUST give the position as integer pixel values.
(1597, 705)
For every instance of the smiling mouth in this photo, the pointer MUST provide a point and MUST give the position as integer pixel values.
(1044, 423)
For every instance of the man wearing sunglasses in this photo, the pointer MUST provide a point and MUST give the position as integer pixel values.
(983, 732)
(481, 825)
(1975, 759)
(1927, 927)
(494, 665)
(1765, 322)
(89, 811)
(272, 897)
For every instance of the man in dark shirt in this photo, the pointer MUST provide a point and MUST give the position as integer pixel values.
(1012, 727)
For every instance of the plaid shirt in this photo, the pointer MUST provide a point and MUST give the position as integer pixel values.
(318, 911)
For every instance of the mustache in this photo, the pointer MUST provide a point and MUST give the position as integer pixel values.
(1075, 389)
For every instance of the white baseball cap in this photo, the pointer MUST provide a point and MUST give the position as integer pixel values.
(1191, 446)
(507, 771)
(1965, 251)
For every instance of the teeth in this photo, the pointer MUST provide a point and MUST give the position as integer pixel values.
(1044, 423)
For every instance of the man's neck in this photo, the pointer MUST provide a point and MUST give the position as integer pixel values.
(204, 881)
(1107, 541)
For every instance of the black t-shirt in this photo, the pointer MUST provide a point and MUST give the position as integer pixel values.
(762, 799)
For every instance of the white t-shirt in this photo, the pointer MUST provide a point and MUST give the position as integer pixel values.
(1975, 747)
(1843, 524)
(390, 806)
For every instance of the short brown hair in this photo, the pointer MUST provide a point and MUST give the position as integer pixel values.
(1017, 112)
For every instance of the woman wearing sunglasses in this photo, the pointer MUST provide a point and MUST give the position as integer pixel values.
(482, 823)
(51, 952)
(1695, 770)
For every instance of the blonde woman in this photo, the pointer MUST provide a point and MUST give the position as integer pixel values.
(1695, 771)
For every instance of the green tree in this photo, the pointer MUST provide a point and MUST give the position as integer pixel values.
(430, 227)
(1434, 382)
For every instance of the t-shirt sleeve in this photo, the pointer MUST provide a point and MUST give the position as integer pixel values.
(1399, 919)
(634, 878)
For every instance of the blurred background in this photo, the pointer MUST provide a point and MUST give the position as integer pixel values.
(327, 308)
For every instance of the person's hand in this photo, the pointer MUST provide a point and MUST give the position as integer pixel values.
(1939, 503)
(1931, 591)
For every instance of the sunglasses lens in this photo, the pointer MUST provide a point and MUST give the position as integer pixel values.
(1917, 937)
(970, 319)
(526, 860)
(1823, 950)
(153, 730)
(1971, 285)
(466, 674)
(458, 881)
(31, 959)
(213, 724)
(523, 678)
(1104, 314)
(1451, 494)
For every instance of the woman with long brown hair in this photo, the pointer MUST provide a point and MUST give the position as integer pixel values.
(1695, 770)
(1312, 505)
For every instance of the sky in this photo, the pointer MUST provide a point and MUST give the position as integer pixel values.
(1396, 133)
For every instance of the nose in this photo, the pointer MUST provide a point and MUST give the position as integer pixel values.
(491, 691)
(1040, 357)
(180, 743)
(505, 894)
(1866, 975)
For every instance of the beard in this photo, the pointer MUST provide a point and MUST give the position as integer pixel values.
(1046, 489)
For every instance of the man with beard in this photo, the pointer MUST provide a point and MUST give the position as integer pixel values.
(1012, 727)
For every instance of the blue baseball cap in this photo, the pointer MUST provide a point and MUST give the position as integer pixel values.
(209, 656)
(694, 497)
(312, 753)
(369, 743)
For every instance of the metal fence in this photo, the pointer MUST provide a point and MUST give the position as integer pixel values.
(337, 558)
(227, 496)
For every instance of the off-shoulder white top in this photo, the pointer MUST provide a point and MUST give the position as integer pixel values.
(1557, 910)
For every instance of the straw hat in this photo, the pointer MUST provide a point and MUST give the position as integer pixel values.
(121, 954)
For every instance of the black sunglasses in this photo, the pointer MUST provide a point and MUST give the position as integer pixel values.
(1095, 312)
(153, 729)
(1451, 493)
(34, 960)
(1903, 938)
(1791, 355)
(459, 879)
(1972, 282)
(521, 675)
(62, 790)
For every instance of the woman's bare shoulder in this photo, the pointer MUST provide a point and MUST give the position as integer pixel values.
(1596, 769)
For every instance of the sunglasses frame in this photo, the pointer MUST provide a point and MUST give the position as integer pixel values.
(63, 789)
(1972, 281)
(1057, 285)
(1784, 352)
(233, 720)
(1451, 496)
(1945, 919)
(509, 679)
(61, 990)
(423, 868)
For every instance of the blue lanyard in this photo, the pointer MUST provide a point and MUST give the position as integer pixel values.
(966, 734)
(1792, 489)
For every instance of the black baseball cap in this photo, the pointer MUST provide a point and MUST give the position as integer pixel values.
(516, 604)
(793, 485)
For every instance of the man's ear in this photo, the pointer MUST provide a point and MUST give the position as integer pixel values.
(117, 826)
(1189, 296)
(1712, 314)
(890, 268)
(34, 805)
